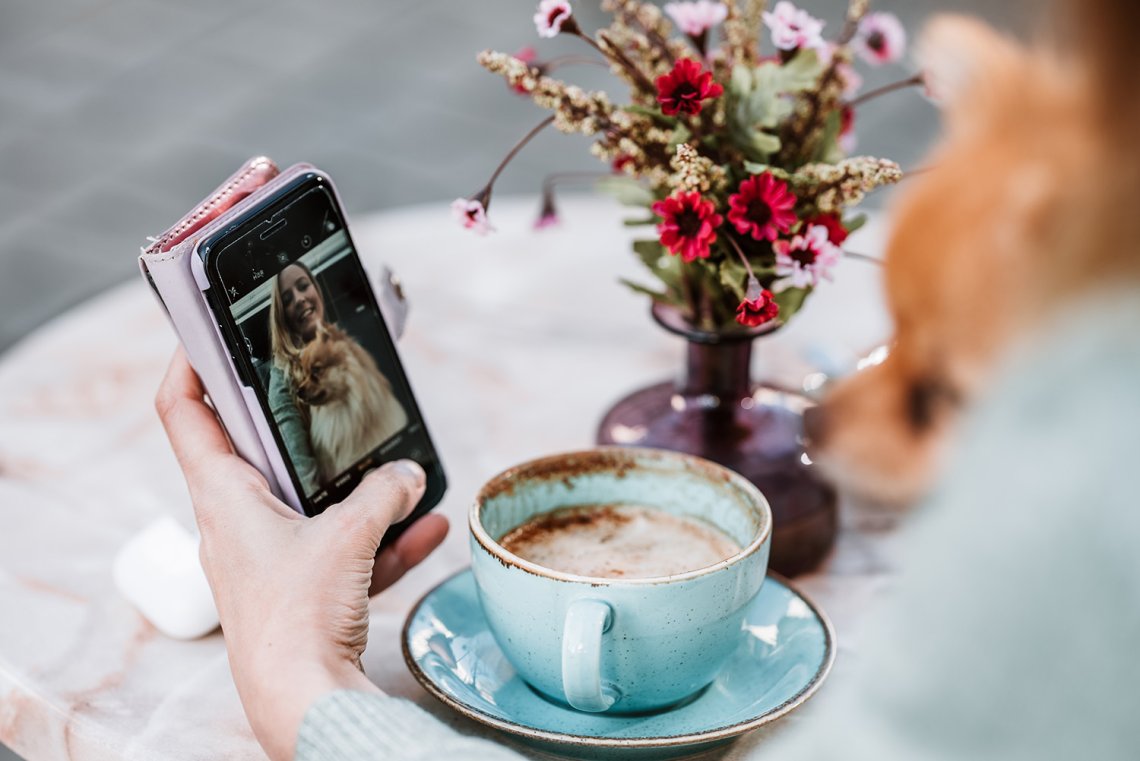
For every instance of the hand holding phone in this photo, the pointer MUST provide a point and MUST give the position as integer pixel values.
(302, 585)
(294, 320)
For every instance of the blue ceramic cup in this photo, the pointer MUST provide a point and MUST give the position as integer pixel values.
(619, 645)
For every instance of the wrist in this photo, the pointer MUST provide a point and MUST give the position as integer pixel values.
(278, 696)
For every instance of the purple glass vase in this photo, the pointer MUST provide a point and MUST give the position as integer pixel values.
(716, 411)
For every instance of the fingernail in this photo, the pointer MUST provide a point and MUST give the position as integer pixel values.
(411, 468)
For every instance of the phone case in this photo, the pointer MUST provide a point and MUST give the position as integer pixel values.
(172, 267)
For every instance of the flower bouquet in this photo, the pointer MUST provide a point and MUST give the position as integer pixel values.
(738, 151)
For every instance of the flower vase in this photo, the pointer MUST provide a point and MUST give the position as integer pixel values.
(718, 412)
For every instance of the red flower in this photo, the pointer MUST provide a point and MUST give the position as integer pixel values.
(836, 232)
(762, 207)
(621, 161)
(683, 89)
(689, 224)
(755, 312)
(529, 56)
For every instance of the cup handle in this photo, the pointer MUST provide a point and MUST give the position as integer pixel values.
(586, 622)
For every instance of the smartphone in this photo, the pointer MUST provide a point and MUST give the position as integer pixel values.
(309, 343)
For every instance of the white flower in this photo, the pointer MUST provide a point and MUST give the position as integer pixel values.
(881, 39)
(471, 214)
(793, 28)
(550, 17)
(807, 258)
(696, 18)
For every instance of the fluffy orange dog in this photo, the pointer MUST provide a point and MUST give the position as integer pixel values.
(350, 403)
(1031, 201)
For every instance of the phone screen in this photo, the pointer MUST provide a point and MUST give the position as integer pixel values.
(311, 341)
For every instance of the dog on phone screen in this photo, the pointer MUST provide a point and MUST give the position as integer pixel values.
(351, 406)
(1028, 204)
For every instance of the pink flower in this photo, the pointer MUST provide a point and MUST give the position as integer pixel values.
(836, 232)
(807, 258)
(754, 312)
(683, 88)
(471, 214)
(551, 15)
(881, 38)
(696, 18)
(762, 207)
(548, 214)
(793, 28)
(689, 224)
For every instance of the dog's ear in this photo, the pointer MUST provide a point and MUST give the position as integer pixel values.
(962, 59)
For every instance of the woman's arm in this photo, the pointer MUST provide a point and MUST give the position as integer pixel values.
(294, 431)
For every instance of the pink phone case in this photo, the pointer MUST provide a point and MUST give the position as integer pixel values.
(175, 272)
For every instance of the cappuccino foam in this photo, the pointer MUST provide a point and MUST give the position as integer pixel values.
(619, 542)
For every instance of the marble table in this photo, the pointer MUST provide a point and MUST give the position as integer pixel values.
(516, 344)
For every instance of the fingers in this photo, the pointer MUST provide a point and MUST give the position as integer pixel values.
(213, 472)
(385, 496)
(413, 546)
(191, 426)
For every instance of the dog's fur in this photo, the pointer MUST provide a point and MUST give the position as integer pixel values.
(1030, 201)
(350, 403)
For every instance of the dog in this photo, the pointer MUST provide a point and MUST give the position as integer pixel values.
(350, 404)
(1023, 210)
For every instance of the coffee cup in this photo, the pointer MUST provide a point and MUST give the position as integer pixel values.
(615, 644)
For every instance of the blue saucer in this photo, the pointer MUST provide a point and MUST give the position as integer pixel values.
(785, 653)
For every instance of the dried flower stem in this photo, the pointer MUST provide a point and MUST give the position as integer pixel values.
(570, 60)
(902, 84)
(622, 59)
(637, 15)
(518, 147)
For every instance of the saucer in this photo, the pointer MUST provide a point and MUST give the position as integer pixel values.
(786, 651)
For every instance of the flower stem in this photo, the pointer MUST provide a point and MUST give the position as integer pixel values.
(550, 180)
(863, 257)
(912, 81)
(571, 60)
(614, 54)
(518, 147)
(743, 258)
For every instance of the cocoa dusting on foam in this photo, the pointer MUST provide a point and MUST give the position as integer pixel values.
(618, 541)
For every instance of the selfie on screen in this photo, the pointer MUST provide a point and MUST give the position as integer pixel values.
(314, 342)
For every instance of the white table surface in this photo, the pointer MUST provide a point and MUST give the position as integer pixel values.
(517, 342)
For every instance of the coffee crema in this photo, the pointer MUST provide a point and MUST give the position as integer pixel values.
(618, 541)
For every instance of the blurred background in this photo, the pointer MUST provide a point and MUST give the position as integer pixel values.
(117, 115)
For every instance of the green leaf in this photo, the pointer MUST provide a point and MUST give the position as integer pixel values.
(649, 252)
(733, 277)
(791, 300)
(854, 223)
(639, 222)
(680, 135)
(801, 72)
(740, 85)
(828, 150)
(757, 168)
(654, 114)
(627, 191)
(638, 288)
(757, 101)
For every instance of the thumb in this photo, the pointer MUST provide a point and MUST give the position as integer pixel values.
(385, 496)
